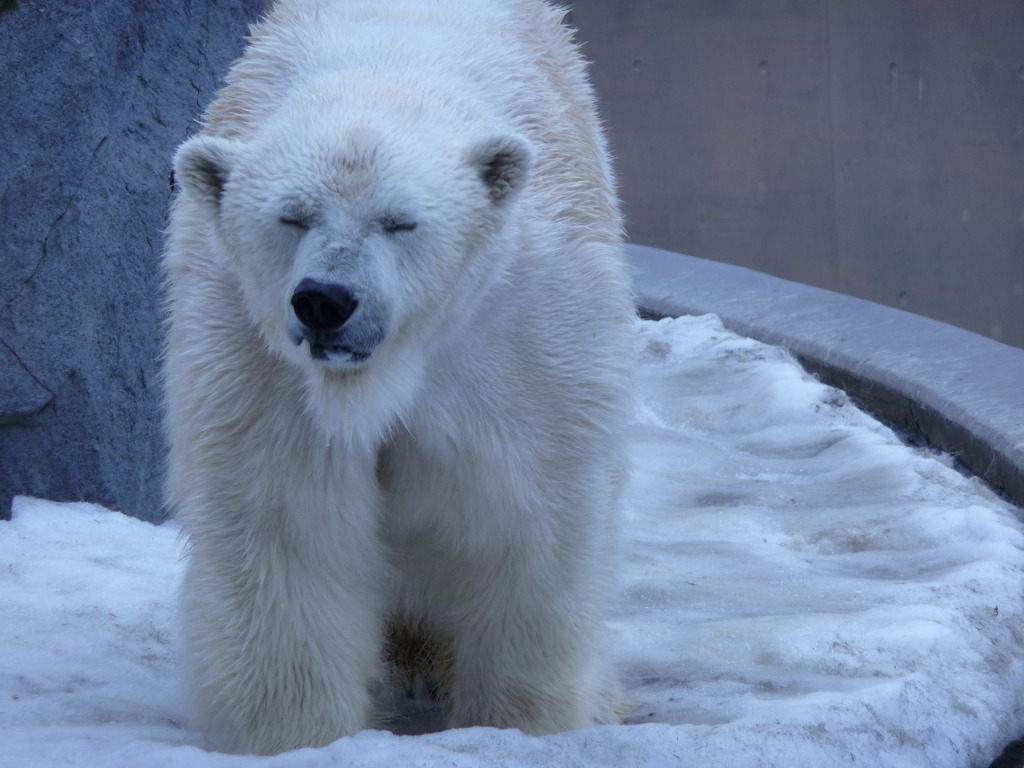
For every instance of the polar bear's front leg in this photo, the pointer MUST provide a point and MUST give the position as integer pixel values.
(529, 656)
(282, 621)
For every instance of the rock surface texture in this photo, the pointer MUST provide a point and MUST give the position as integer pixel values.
(93, 101)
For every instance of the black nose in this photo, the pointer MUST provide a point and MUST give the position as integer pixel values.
(322, 306)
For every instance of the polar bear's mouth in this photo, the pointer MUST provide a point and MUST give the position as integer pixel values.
(336, 353)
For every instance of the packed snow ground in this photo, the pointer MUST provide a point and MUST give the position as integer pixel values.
(799, 589)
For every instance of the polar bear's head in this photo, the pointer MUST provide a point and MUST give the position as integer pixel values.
(348, 236)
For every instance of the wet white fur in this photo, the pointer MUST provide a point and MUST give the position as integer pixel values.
(466, 480)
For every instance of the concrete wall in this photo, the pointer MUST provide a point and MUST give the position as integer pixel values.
(872, 147)
(94, 98)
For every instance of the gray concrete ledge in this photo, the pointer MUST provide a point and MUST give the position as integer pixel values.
(960, 392)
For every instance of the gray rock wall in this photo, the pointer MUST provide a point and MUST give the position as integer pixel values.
(94, 97)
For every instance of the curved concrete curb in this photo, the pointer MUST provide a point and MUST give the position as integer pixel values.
(960, 392)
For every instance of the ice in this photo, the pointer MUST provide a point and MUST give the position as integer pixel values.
(798, 588)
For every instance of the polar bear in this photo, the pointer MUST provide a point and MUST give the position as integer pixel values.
(398, 374)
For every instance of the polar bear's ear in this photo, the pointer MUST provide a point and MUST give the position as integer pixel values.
(504, 164)
(203, 165)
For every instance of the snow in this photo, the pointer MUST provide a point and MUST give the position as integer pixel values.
(799, 588)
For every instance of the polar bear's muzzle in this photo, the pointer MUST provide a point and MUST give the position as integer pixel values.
(322, 313)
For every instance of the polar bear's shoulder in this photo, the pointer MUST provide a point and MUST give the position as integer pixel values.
(498, 53)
